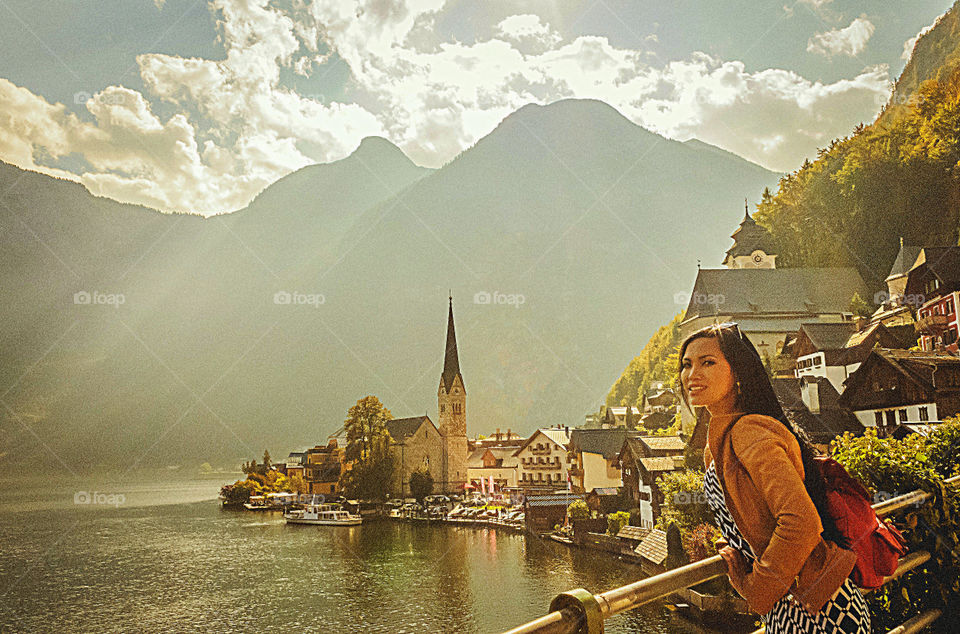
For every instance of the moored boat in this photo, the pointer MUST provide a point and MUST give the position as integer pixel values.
(322, 514)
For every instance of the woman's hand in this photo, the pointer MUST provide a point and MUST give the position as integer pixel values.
(737, 566)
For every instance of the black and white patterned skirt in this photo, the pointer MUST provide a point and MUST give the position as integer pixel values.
(846, 613)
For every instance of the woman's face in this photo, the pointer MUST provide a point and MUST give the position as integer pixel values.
(706, 376)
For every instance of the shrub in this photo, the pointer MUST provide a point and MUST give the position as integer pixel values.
(616, 521)
(888, 467)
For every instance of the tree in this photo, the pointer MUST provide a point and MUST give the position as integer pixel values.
(368, 447)
(859, 306)
(266, 460)
(297, 484)
(421, 483)
(578, 510)
(616, 522)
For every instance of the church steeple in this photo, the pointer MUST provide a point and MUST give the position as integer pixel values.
(752, 245)
(451, 363)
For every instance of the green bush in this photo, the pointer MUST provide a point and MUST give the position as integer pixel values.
(683, 501)
(616, 522)
(578, 510)
(889, 468)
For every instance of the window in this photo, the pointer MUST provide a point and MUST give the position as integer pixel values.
(949, 306)
(878, 418)
(923, 413)
(903, 416)
(891, 417)
(441, 409)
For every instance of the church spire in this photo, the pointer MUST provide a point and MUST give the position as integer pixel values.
(451, 364)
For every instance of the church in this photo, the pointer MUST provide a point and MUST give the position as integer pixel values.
(442, 449)
(768, 303)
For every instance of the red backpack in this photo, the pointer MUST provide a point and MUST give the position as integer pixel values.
(878, 543)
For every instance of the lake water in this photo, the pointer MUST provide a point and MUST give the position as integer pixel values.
(165, 557)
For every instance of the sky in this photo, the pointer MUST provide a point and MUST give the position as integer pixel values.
(197, 105)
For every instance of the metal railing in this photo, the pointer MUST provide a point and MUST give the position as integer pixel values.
(582, 612)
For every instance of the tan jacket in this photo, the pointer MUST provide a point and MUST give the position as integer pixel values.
(763, 487)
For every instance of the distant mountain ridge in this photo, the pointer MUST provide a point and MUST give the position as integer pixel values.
(594, 221)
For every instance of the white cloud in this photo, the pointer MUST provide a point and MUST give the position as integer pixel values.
(527, 32)
(237, 128)
(850, 40)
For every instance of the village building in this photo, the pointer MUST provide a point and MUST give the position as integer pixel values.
(903, 386)
(658, 398)
(594, 453)
(293, 465)
(934, 281)
(895, 306)
(626, 417)
(544, 460)
(643, 459)
(835, 351)
(543, 512)
(321, 468)
(812, 404)
(500, 463)
(416, 444)
(497, 439)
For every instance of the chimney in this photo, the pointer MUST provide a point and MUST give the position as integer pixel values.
(498, 434)
(509, 435)
(567, 430)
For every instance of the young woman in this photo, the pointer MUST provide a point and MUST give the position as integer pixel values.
(782, 548)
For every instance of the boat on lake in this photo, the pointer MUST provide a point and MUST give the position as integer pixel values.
(323, 514)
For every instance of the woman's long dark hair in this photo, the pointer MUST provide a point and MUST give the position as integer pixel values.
(756, 396)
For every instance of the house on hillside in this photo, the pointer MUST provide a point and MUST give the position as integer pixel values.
(902, 386)
(934, 281)
(642, 460)
(895, 306)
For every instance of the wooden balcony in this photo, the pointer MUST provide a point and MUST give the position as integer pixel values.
(932, 324)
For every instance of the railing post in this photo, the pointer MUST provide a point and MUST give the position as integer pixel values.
(583, 602)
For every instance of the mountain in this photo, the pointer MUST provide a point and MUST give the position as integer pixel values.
(563, 235)
(936, 55)
(894, 179)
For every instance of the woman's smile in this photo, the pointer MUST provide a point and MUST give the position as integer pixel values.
(706, 376)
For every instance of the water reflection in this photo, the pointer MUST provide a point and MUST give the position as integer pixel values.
(193, 566)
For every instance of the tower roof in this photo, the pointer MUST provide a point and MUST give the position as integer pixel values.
(451, 364)
(750, 237)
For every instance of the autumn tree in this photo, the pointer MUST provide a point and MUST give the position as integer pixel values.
(368, 448)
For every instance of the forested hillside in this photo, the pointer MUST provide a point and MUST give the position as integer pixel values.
(896, 178)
